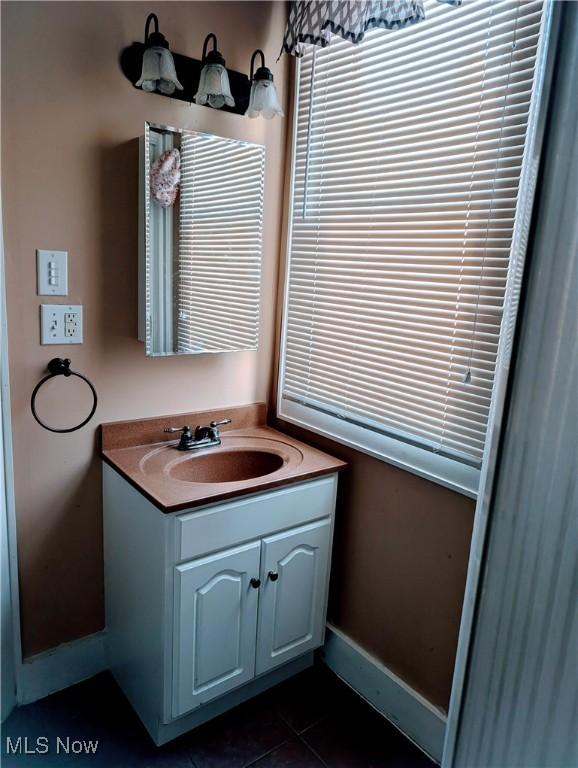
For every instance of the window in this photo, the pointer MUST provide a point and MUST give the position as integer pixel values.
(409, 169)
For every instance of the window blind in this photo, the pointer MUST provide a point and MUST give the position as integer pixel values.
(406, 169)
(219, 253)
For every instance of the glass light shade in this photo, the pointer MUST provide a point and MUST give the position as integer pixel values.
(158, 71)
(214, 88)
(264, 100)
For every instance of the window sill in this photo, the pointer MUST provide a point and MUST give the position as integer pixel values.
(451, 474)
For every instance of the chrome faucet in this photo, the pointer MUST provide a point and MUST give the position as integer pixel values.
(203, 437)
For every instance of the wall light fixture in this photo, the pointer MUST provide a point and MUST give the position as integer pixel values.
(158, 68)
(214, 88)
(263, 99)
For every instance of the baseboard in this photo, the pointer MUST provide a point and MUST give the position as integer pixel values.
(408, 710)
(60, 667)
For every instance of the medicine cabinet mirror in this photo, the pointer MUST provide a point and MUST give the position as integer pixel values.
(200, 257)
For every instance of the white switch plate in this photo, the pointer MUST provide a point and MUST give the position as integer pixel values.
(61, 324)
(52, 273)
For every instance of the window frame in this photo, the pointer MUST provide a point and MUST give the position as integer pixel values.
(442, 470)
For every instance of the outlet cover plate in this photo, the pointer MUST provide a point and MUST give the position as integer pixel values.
(52, 273)
(61, 324)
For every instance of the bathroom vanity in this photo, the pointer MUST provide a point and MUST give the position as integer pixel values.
(216, 563)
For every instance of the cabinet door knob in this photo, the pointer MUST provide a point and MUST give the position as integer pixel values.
(255, 583)
(273, 575)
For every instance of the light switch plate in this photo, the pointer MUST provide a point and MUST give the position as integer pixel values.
(52, 273)
(61, 324)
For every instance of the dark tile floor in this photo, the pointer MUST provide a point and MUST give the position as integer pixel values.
(310, 721)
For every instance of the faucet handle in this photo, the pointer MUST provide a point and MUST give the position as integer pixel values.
(214, 423)
(177, 429)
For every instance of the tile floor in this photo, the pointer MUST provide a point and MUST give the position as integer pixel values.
(310, 721)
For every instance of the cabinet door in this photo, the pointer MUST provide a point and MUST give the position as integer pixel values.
(292, 604)
(215, 626)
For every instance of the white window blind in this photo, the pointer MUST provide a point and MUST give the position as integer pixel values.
(406, 170)
(219, 253)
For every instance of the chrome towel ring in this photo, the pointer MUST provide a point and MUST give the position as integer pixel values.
(61, 367)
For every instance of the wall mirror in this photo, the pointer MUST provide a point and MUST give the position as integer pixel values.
(200, 242)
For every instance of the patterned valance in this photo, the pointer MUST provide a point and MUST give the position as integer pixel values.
(315, 21)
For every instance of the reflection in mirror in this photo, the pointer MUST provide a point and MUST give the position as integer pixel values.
(201, 247)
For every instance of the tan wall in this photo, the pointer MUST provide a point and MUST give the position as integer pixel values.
(70, 165)
(399, 567)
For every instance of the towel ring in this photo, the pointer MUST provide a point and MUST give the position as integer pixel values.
(61, 367)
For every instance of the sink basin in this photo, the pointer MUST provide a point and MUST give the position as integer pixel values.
(226, 466)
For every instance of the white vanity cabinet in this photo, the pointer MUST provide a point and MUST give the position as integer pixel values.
(208, 607)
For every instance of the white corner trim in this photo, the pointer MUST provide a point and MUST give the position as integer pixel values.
(407, 709)
(60, 667)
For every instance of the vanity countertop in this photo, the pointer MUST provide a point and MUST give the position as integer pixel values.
(174, 480)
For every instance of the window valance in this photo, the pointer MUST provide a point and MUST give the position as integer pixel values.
(315, 22)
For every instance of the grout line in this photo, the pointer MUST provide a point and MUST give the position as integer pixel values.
(303, 730)
(313, 751)
(265, 754)
(312, 725)
(287, 723)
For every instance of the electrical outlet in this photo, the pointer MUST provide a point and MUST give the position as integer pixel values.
(52, 273)
(61, 324)
(70, 324)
